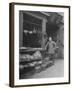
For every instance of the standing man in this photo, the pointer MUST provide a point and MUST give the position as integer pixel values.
(50, 47)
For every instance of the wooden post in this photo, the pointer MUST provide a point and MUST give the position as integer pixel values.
(20, 29)
(43, 32)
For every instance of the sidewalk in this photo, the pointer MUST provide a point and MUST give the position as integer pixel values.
(56, 70)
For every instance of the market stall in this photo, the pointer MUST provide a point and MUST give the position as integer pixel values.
(33, 60)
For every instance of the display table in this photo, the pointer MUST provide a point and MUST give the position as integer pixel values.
(31, 63)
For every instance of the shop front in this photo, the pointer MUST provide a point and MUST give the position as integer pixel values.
(34, 30)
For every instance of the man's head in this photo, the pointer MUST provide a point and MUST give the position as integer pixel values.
(50, 38)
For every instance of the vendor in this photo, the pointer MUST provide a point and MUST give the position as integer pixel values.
(50, 47)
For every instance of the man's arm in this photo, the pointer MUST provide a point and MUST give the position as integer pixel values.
(54, 45)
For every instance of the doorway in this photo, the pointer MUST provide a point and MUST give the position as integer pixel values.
(51, 30)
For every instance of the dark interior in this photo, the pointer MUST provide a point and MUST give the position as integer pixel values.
(51, 30)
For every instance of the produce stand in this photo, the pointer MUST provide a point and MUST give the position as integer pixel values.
(33, 60)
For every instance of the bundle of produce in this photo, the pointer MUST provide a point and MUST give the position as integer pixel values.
(37, 55)
(32, 64)
(39, 63)
(21, 66)
(26, 57)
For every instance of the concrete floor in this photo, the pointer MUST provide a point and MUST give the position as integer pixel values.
(56, 70)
